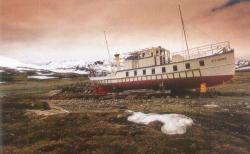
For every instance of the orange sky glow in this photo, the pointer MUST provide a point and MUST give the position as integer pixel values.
(40, 30)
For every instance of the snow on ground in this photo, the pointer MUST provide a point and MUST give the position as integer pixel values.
(41, 77)
(243, 68)
(172, 123)
(46, 74)
(2, 82)
(69, 71)
(211, 105)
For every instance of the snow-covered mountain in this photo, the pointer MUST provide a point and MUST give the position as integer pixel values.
(242, 65)
(72, 66)
(64, 66)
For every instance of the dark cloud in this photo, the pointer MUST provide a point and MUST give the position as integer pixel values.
(228, 4)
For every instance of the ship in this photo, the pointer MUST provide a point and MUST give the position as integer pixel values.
(159, 69)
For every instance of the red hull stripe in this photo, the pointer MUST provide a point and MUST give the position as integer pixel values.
(168, 83)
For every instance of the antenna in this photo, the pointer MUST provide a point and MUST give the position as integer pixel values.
(184, 31)
(107, 47)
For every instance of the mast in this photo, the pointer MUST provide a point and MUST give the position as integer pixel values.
(184, 31)
(107, 47)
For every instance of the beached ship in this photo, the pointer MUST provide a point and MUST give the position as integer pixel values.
(157, 68)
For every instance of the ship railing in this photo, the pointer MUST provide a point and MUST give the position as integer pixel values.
(171, 75)
(203, 51)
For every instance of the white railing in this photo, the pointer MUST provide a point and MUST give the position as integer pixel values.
(171, 75)
(206, 50)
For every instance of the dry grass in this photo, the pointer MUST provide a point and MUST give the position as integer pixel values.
(101, 126)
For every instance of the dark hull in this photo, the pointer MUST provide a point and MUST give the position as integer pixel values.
(178, 83)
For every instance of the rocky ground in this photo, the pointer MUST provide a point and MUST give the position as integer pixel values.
(46, 123)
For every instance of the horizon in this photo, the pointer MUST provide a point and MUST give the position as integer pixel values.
(54, 31)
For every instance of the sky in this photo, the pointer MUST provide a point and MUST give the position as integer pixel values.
(44, 30)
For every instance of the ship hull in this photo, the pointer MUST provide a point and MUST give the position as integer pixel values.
(181, 83)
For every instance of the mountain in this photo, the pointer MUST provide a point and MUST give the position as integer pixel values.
(64, 66)
(72, 66)
(242, 65)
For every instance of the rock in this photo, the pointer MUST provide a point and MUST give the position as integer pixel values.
(240, 103)
(247, 103)
(225, 110)
(119, 116)
(187, 97)
(122, 107)
(181, 102)
(54, 92)
(193, 146)
(193, 102)
(211, 105)
(156, 125)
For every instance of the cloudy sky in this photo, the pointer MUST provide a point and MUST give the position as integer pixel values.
(42, 30)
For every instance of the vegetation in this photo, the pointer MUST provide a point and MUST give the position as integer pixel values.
(101, 126)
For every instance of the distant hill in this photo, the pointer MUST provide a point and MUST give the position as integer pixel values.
(64, 66)
(242, 65)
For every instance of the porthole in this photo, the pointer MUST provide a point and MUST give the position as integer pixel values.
(188, 66)
(202, 63)
(175, 68)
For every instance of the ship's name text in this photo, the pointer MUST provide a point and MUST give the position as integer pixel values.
(219, 59)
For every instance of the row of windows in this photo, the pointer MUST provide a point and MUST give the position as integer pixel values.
(163, 69)
(157, 52)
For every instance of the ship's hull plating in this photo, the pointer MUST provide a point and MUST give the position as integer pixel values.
(181, 83)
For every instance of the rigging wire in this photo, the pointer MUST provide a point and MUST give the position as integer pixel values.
(184, 30)
(107, 47)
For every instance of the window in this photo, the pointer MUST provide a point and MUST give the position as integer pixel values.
(143, 54)
(202, 63)
(135, 73)
(152, 54)
(127, 73)
(187, 65)
(163, 69)
(144, 72)
(175, 68)
(157, 52)
(153, 71)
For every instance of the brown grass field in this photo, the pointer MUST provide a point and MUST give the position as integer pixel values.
(34, 121)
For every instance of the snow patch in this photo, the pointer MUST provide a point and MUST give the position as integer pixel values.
(2, 82)
(172, 123)
(69, 71)
(211, 105)
(44, 74)
(41, 77)
(244, 68)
